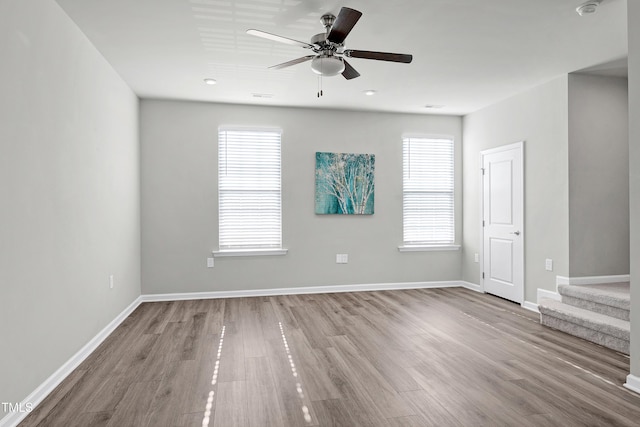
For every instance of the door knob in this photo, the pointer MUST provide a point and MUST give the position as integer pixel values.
(517, 233)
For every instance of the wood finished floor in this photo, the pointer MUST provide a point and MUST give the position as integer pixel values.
(438, 357)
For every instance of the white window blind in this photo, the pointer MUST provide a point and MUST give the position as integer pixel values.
(249, 190)
(428, 191)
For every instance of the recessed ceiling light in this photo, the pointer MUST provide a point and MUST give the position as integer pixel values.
(588, 7)
(262, 95)
(433, 106)
(210, 81)
(370, 92)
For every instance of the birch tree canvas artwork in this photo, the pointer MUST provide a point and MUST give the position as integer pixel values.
(345, 183)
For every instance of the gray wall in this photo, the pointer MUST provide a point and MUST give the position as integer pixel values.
(634, 179)
(598, 176)
(539, 117)
(180, 206)
(69, 174)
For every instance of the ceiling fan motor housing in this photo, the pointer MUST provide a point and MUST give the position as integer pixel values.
(319, 39)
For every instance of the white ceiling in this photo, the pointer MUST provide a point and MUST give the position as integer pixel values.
(466, 53)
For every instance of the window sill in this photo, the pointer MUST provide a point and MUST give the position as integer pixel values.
(429, 248)
(250, 252)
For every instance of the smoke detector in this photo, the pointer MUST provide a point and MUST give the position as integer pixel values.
(588, 7)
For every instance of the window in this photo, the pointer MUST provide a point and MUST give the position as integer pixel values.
(249, 196)
(428, 191)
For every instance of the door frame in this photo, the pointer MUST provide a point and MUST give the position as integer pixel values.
(520, 146)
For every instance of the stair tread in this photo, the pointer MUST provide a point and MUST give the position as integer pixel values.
(614, 297)
(618, 327)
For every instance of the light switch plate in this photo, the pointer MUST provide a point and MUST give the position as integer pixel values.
(548, 264)
(209, 262)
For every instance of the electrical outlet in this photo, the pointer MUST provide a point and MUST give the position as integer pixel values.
(209, 262)
(548, 264)
(111, 281)
(476, 258)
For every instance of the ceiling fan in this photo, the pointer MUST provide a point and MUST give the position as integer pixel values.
(329, 54)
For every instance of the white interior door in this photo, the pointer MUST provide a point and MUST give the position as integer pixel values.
(502, 219)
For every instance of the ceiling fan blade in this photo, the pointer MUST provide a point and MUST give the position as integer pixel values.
(343, 24)
(380, 56)
(349, 72)
(293, 62)
(280, 39)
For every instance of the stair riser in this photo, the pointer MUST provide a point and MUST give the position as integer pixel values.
(588, 334)
(618, 313)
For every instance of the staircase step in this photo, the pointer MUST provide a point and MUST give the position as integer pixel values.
(611, 299)
(595, 327)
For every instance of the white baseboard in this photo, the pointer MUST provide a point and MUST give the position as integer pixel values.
(633, 383)
(531, 306)
(543, 293)
(300, 290)
(38, 395)
(471, 286)
(591, 280)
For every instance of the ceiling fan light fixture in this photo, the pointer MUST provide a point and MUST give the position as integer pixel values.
(326, 65)
(588, 7)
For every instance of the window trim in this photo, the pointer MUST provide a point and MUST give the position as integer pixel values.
(249, 252)
(434, 246)
(428, 248)
(257, 250)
